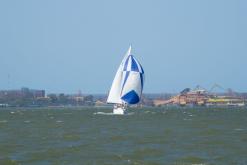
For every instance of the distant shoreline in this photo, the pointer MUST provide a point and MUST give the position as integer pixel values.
(130, 108)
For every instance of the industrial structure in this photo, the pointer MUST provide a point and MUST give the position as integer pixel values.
(200, 96)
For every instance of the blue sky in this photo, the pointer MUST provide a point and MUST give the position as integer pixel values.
(67, 45)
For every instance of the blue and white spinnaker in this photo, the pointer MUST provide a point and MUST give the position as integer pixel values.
(128, 83)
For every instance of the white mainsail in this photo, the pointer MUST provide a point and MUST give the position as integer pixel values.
(128, 82)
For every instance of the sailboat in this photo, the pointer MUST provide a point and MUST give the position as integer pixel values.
(127, 84)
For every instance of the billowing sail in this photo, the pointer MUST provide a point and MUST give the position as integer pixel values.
(128, 83)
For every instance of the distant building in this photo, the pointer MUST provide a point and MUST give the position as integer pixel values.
(22, 93)
(37, 93)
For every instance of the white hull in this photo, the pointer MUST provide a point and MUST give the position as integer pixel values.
(119, 110)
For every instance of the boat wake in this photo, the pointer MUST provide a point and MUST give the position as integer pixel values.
(110, 113)
(102, 113)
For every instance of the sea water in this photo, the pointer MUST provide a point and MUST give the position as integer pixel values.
(93, 136)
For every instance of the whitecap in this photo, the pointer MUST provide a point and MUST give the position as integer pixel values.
(3, 121)
(238, 129)
(187, 119)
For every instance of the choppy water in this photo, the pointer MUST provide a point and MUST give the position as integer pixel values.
(145, 136)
